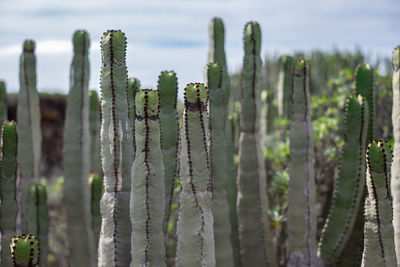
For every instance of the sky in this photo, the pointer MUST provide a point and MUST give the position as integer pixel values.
(173, 34)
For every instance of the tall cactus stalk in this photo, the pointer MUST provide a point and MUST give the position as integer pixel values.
(3, 102)
(395, 181)
(217, 55)
(29, 132)
(94, 128)
(301, 191)
(255, 236)
(133, 86)
(284, 86)
(25, 251)
(349, 184)
(219, 173)
(116, 153)
(379, 249)
(195, 222)
(8, 183)
(76, 157)
(96, 191)
(148, 188)
(38, 217)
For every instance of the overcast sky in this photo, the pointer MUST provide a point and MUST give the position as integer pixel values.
(173, 34)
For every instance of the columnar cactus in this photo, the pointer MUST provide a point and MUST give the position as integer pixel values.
(116, 154)
(133, 86)
(3, 102)
(38, 217)
(284, 86)
(195, 222)
(8, 183)
(96, 191)
(148, 188)
(28, 117)
(301, 191)
(349, 183)
(76, 157)
(379, 249)
(25, 251)
(219, 173)
(255, 236)
(94, 128)
(169, 123)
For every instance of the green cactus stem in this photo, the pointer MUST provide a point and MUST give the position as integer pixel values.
(379, 249)
(25, 251)
(96, 191)
(349, 183)
(395, 181)
(195, 222)
(38, 217)
(218, 149)
(148, 186)
(29, 132)
(133, 86)
(116, 154)
(255, 236)
(8, 183)
(301, 192)
(169, 123)
(76, 157)
(284, 86)
(3, 102)
(94, 128)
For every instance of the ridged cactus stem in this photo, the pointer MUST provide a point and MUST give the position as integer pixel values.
(219, 171)
(133, 86)
(195, 222)
(301, 192)
(25, 251)
(3, 102)
(284, 86)
(350, 182)
(94, 127)
(379, 249)
(29, 132)
(76, 157)
(148, 188)
(8, 190)
(255, 236)
(96, 191)
(117, 154)
(38, 217)
(169, 123)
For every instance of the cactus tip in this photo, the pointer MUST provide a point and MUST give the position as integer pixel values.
(25, 250)
(29, 46)
(195, 92)
(147, 99)
(396, 58)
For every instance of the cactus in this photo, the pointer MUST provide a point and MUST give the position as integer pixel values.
(219, 174)
(395, 180)
(255, 236)
(76, 157)
(195, 221)
(379, 249)
(25, 251)
(147, 195)
(168, 90)
(8, 183)
(94, 128)
(116, 153)
(349, 183)
(133, 86)
(301, 192)
(96, 191)
(284, 86)
(38, 217)
(29, 132)
(3, 102)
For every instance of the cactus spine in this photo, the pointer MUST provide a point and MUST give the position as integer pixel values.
(94, 127)
(350, 182)
(116, 153)
(76, 157)
(301, 191)
(284, 85)
(8, 198)
(96, 191)
(3, 102)
(38, 218)
(148, 188)
(28, 118)
(25, 251)
(218, 149)
(379, 249)
(195, 221)
(255, 236)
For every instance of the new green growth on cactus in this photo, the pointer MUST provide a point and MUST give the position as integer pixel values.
(94, 128)
(116, 154)
(3, 102)
(25, 251)
(379, 249)
(38, 217)
(284, 85)
(350, 182)
(195, 222)
(8, 186)
(29, 132)
(96, 191)
(148, 186)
